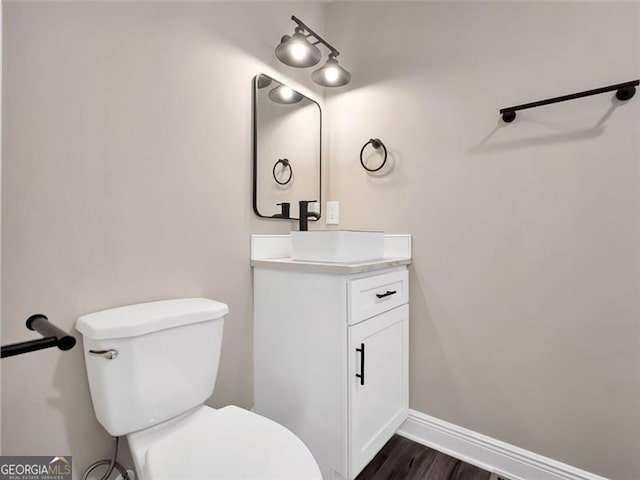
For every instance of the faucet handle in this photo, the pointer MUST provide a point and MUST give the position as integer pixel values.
(304, 214)
(285, 209)
(304, 204)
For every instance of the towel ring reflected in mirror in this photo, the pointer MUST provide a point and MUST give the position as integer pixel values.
(285, 165)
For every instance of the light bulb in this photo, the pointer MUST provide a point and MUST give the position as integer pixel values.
(298, 51)
(331, 74)
(286, 93)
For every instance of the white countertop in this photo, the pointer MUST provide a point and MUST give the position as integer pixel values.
(287, 263)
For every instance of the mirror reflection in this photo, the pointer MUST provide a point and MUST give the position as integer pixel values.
(287, 129)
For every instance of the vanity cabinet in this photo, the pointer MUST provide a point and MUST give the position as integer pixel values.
(378, 383)
(331, 358)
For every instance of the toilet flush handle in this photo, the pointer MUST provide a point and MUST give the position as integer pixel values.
(108, 354)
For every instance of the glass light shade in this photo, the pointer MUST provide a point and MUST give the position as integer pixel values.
(285, 95)
(296, 51)
(331, 74)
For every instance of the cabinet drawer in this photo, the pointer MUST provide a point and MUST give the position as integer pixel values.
(371, 296)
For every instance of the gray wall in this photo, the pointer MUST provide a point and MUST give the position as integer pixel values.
(127, 178)
(524, 297)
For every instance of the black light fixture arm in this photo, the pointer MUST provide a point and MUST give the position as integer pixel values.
(52, 335)
(303, 26)
(624, 91)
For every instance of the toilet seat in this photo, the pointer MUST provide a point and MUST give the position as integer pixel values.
(230, 443)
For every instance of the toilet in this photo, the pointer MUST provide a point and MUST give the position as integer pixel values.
(151, 367)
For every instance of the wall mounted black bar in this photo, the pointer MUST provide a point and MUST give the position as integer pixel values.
(624, 91)
(53, 337)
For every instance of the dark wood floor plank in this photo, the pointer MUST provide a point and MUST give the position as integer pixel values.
(465, 471)
(374, 465)
(400, 457)
(403, 459)
(441, 469)
(422, 463)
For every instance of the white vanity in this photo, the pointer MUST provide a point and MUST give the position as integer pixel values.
(331, 349)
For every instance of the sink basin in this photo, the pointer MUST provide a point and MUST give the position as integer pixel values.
(337, 246)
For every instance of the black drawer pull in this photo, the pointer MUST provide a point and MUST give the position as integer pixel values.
(386, 294)
(361, 374)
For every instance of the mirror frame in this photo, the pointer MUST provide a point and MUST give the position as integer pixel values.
(254, 126)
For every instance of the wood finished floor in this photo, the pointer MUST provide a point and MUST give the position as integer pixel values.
(403, 459)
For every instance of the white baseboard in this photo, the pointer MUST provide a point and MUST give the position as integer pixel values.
(485, 452)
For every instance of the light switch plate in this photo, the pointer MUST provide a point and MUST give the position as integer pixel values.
(333, 213)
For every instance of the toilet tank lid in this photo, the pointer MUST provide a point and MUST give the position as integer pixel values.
(134, 320)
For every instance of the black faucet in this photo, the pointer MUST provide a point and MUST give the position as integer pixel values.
(304, 214)
(285, 212)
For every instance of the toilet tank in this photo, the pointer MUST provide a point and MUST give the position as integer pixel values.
(155, 360)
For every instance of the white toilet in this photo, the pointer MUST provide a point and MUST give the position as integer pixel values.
(151, 367)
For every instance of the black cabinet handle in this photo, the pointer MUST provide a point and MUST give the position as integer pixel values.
(361, 374)
(386, 294)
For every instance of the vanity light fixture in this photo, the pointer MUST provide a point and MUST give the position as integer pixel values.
(296, 51)
(285, 95)
(331, 74)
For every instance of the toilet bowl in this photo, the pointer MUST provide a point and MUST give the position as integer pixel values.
(151, 367)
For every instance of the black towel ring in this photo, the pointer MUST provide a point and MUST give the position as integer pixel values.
(375, 143)
(285, 163)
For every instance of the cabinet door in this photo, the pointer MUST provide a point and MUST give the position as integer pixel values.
(378, 383)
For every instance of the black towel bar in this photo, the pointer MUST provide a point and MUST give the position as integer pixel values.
(53, 337)
(624, 92)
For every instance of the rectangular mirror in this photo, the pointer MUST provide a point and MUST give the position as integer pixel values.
(287, 128)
